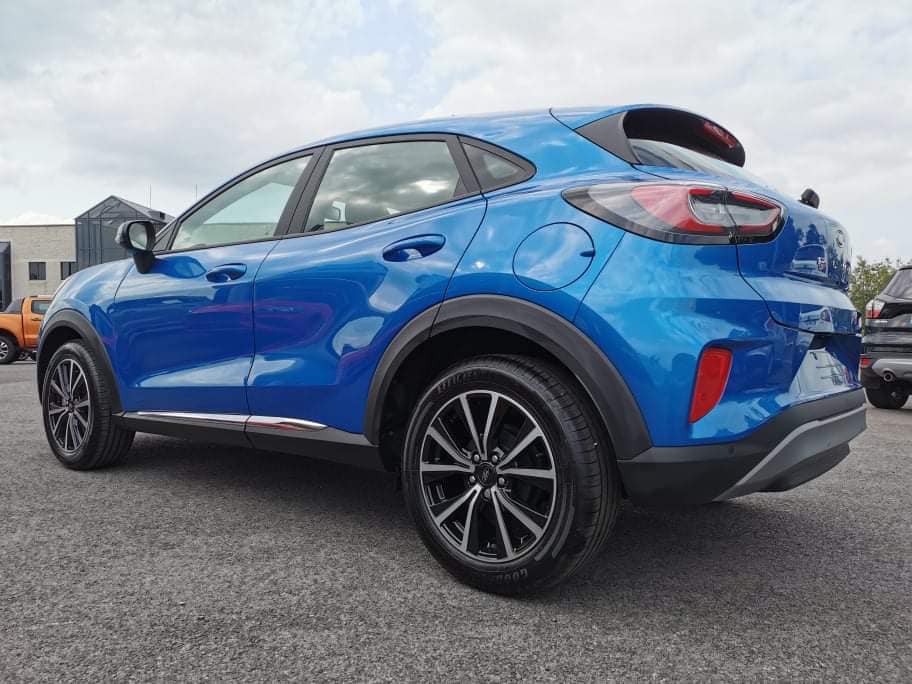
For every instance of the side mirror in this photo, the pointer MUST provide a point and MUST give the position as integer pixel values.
(138, 238)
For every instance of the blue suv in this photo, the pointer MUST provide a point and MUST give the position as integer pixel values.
(529, 316)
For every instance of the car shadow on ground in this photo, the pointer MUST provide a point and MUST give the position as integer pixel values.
(663, 557)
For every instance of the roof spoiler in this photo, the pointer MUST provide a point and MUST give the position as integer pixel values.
(613, 132)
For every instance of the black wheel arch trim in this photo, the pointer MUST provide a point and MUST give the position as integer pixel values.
(75, 321)
(603, 383)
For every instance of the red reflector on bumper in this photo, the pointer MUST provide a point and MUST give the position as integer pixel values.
(712, 376)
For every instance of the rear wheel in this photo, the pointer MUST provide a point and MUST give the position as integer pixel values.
(9, 349)
(888, 397)
(76, 405)
(507, 476)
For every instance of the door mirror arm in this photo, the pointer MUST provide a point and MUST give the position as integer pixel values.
(138, 238)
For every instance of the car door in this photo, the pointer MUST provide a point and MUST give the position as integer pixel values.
(386, 223)
(184, 330)
(31, 321)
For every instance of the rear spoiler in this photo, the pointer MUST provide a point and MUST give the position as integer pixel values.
(612, 130)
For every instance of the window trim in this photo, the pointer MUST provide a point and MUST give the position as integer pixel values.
(302, 196)
(466, 175)
(527, 166)
(316, 154)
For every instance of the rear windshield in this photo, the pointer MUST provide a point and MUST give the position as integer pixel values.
(15, 306)
(901, 285)
(654, 153)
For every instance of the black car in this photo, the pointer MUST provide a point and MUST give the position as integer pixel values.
(886, 362)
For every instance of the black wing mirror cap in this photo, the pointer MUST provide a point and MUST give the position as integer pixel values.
(138, 238)
(810, 198)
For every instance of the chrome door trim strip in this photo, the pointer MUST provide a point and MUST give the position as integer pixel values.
(283, 424)
(233, 419)
(269, 423)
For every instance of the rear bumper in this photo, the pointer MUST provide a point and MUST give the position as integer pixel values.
(892, 365)
(798, 445)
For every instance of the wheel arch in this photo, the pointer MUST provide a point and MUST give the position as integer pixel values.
(65, 326)
(469, 325)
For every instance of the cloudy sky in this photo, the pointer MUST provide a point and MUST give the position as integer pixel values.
(112, 98)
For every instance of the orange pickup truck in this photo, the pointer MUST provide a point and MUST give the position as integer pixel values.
(19, 326)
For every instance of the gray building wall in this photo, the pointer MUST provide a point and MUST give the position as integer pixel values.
(51, 245)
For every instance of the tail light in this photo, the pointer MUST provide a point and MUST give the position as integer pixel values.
(866, 362)
(712, 376)
(873, 308)
(678, 212)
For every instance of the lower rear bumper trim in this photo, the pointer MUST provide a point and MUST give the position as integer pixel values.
(827, 437)
(799, 444)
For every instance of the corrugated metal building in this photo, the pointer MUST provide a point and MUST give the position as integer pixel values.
(96, 227)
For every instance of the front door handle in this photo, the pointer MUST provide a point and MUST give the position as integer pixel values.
(415, 247)
(226, 272)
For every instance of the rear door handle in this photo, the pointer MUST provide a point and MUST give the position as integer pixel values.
(226, 272)
(415, 247)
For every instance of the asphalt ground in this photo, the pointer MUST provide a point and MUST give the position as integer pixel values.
(199, 562)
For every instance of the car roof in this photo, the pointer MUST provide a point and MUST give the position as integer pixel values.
(485, 126)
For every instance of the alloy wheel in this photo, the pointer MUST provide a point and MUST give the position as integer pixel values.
(69, 407)
(488, 476)
(4, 350)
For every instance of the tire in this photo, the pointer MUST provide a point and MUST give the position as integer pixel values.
(9, 349)
(572, 510)
(75, 393)
(887, 398)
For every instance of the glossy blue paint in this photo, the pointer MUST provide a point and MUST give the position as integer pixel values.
(296, 327)
(328, 304)
(90, 293)
(185, 338)
(656, 306)
(803, 274)
(553, 256)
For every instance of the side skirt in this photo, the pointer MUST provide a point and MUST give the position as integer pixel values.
(270, 433)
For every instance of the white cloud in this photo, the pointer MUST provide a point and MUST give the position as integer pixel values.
(103, 99)
(33, 218)
(362, 72)
(819, 95)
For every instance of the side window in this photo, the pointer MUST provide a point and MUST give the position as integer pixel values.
(494, 171)
(40, 306)
(248, 210)
(374, 182)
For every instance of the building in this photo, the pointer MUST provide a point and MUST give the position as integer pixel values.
(34, 259)
(95, 229)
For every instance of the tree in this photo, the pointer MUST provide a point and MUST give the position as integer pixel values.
(869, 278)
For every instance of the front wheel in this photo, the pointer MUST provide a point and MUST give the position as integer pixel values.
(507, 474)
(887, 397)
(77, 409)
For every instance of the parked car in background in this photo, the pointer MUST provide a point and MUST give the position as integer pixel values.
(527, 316)
(19, 327)
(886, 362)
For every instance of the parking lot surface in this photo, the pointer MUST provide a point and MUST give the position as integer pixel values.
(204, 562)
